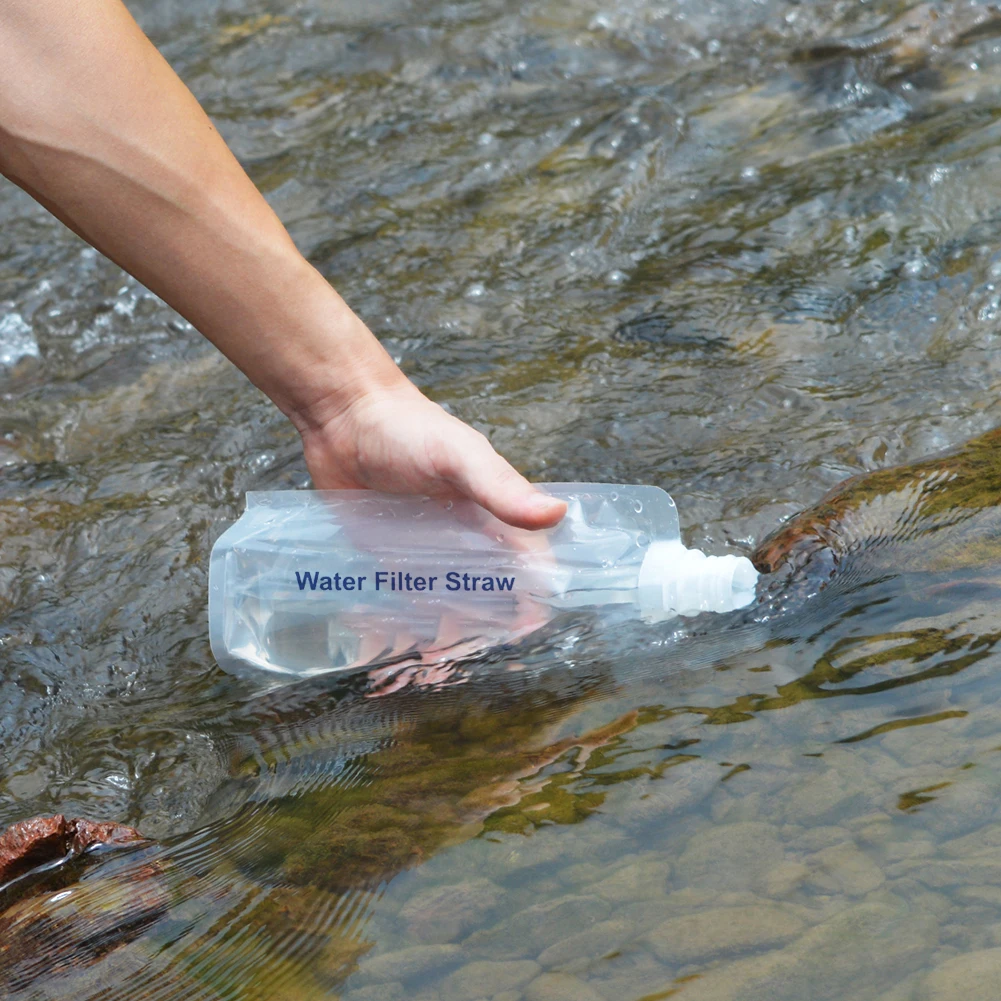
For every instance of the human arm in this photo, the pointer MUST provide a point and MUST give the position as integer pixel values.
(98, 128)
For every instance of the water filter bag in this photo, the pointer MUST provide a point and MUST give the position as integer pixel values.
(307, 582)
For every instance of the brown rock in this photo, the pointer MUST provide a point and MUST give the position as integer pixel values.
(31, 843)
(89, 833)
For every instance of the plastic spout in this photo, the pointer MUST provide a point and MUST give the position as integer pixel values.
(674, 580)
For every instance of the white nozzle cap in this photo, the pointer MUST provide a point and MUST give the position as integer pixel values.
(674, 580)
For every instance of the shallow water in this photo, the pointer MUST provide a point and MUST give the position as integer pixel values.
(631, 242)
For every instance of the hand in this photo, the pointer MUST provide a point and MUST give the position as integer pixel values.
(396, 440)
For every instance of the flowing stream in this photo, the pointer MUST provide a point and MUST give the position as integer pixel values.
(742, 250)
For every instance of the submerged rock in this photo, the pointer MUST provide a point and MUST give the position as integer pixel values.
(62, 923)
(730, 856)
(582, 948)
(883, 937)
(51, 920)
(406, 964)
(322, 808)
(719, 931)
(907, 42)
(441, 914)
(844, 869)
(938, 514)
(645, 879)
(972, 976)
(485, 978)
(560, 987)
(670, 329)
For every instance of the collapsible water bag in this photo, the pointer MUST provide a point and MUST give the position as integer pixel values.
(307, 582)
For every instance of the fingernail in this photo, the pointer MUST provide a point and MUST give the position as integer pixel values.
(543, 503)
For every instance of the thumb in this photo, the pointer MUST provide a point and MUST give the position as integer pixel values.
(489, 479)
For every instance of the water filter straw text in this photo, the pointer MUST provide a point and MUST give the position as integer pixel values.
(398, 580)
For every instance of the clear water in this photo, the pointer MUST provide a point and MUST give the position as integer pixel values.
(632, 242)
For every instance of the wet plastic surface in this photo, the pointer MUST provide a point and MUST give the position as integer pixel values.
(308, 582)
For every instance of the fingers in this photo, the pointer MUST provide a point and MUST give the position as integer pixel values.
(403, 443)
(478, 472)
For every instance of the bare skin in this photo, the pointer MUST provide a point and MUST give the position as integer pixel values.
(98, 128)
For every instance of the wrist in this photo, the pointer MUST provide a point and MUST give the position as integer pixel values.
(322, 358)
(340, 363)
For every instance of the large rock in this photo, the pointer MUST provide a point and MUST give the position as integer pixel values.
(44, 934)
(586, 946)
(405, 964)
(444, 913)
(31, 843)
(942, 511)
(974, 976)
(560, 987)
(642, 880)
(730, 857)
(725, 930)
(486, 978)
(876, 943)
(844, 869)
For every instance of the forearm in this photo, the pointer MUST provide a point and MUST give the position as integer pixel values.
(96, 126)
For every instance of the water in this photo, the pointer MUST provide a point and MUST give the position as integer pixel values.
(631, 242)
